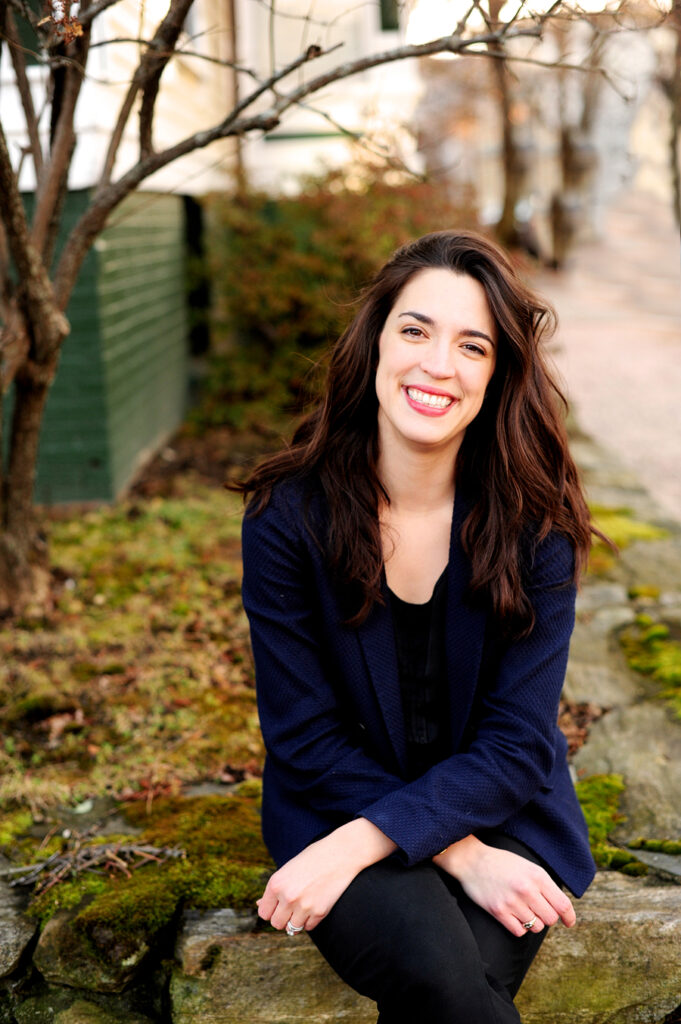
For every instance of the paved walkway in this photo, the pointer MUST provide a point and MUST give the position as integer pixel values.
(619, 341)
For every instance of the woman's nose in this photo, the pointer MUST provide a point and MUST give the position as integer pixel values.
(438, 361)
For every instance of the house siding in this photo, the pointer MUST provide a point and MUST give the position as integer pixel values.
(143, 317)
(121, 385)
(73, 459)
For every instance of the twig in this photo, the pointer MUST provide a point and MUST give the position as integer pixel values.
(81, 855)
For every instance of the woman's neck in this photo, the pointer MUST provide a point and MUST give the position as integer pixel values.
(417, 481)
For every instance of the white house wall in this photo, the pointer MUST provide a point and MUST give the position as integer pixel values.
(378, 103)
(195, 94)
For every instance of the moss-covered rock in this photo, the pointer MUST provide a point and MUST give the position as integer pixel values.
(265, 979)
(104, 961)
(669, 846)
(85, 1012)
(641, 743)
(16, 930)
(619, 964)
(599, 796)
(98, 930)
(650, 648)
(621, 527)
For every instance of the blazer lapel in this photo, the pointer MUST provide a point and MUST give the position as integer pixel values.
(465, 629)
(377, 639)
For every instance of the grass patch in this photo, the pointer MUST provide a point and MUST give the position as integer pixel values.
(599, 796)
(140, 678)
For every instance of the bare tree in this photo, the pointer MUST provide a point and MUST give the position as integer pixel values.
(671, 84)
(34, 290)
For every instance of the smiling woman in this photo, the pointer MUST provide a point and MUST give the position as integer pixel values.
(436, 358)
(409, 576)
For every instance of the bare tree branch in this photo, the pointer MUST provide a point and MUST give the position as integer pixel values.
(87, 17)
(155, 60)
(464, 20)
(108, 196)
(377, 149)
(36, 286)
(181, 51)
(270, 36)
(446, 44)
(52, 187)
(19, 65)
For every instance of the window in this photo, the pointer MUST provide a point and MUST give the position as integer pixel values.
(28, 38)
(390, 19)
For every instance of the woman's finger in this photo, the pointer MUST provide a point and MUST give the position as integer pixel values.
(282, 915)
(541, 907)
(513, 923)
(266, 905)
(530, 921)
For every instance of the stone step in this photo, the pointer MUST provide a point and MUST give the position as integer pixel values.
(619, 964)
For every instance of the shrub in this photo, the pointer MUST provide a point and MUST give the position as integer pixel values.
(285, 273)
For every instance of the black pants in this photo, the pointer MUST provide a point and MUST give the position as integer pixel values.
(412, 940)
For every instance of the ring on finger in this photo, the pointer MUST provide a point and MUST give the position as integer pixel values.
(294, 929)
(528, 925)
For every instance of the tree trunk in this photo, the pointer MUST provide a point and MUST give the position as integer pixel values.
(675, 120)
(511, 162)
(24, 575)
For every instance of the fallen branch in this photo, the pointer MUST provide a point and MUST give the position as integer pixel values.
(78, 857)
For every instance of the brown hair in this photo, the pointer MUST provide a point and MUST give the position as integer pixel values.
(514, 462)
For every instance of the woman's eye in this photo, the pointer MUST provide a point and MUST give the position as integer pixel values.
(477, 349)
(413, 332)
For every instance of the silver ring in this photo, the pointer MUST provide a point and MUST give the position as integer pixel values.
(530, 924)
(294, 929)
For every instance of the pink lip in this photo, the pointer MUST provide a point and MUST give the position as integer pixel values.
(426, 410)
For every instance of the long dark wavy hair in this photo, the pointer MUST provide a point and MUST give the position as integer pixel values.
(514, 462)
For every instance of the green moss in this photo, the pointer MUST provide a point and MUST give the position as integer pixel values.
(620, 526)
(650, 649)
(66, 896)
(670, 846)
(644, 590)
(634, 868)
(251, 788)
(12, 826)
(599, 796)
(225, 865)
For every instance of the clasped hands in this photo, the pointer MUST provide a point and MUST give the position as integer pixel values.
(512, 889)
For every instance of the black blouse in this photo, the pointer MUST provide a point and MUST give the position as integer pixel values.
(422, 664)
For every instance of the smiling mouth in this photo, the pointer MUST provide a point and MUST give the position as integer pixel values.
(429, 399)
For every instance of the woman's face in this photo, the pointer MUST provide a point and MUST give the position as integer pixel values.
(437, 353)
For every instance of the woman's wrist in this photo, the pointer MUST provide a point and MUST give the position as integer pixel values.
(458, 857)
(361, 842)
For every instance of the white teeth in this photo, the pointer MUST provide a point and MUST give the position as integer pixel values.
(425, 398)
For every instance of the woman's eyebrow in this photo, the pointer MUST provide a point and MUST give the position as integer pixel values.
(470, 332)
(421, 317)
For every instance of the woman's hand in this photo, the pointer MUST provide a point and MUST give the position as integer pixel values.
(509, 887)
(305, 889)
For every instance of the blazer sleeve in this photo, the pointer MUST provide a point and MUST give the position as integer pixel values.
(514, 746)
(306, 733)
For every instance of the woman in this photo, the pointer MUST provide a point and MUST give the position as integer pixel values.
(409, 576)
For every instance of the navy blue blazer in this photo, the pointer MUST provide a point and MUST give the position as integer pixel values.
(332, 720)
